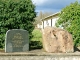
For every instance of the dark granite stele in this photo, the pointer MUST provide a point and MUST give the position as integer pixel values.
(16, 40)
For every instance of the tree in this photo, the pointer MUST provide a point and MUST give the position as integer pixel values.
(16, 14)
(41, 15)
(69, 19)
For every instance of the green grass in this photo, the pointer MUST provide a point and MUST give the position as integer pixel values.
(37, 35)
(36, 41)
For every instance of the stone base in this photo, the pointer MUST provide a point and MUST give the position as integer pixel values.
(39, 55)
(44, 56)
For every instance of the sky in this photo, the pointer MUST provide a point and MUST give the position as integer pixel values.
(51, 5)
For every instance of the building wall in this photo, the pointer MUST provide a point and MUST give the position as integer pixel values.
(50, 22)
(47, 23)
(54, 20)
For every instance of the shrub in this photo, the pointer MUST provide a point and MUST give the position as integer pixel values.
(70, 20)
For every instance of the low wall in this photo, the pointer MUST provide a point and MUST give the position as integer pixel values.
(39, 56)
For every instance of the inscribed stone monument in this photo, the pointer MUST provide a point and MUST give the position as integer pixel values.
(17, 40)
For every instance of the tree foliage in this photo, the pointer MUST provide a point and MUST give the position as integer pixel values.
(16, 14)
(70, 20)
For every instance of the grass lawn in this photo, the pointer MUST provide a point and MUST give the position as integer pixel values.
(37, 35)
(36, 41)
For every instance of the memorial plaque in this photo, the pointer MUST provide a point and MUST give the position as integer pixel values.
(17, 40)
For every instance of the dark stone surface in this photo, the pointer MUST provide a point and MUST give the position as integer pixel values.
(17, 40)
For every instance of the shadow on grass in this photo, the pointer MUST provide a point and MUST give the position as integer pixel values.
(76, 49)
(35, 45)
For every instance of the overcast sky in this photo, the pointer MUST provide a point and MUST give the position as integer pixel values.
(51, 5)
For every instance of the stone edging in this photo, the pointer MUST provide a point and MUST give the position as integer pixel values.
(39, 54)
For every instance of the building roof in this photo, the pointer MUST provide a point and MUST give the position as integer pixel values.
(55, 14)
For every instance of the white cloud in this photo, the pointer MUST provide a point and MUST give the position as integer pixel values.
(39, 2)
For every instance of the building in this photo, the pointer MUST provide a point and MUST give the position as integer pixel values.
(50, 20)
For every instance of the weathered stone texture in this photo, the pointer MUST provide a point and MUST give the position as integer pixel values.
(57, 40)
